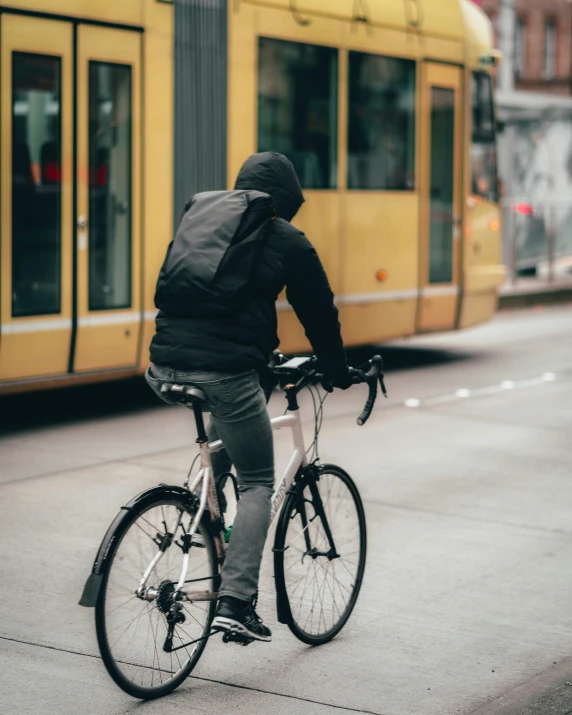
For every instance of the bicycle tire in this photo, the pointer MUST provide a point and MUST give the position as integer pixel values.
(285, 589)
(113, 667)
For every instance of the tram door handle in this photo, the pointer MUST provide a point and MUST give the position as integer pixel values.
(82, 232)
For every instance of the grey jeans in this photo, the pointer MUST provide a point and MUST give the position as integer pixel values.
(239, 417)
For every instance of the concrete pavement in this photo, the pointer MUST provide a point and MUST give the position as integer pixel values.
(465, 606)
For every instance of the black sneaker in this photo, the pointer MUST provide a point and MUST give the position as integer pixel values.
(239, 618)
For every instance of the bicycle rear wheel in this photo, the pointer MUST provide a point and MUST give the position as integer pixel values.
(319, 554)
(132, 630)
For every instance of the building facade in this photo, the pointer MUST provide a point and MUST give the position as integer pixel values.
(534, 130)
(541, 43)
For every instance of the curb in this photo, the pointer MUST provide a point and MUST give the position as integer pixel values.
(528, 299)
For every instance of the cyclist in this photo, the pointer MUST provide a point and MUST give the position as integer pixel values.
(224, 354)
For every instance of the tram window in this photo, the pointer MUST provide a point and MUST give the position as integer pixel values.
(441, 189)
(483, 144)
(36, 184)
(297, 108)
(381, 126)
(109, 186)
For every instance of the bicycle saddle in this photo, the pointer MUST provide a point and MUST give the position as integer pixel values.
(184, 393)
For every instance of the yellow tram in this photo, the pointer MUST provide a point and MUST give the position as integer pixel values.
(112, 113)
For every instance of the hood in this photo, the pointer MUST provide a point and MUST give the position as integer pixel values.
(273, 174)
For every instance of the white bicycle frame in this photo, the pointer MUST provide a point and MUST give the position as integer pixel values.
(204, 487)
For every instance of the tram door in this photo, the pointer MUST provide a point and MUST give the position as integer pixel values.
(70, 214)
(108, 229)
(36, 304)
(441, 191)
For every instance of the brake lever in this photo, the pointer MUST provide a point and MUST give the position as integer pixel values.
(377, 362)
(382, 384)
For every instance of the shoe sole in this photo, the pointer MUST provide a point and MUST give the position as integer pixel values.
(229, 625)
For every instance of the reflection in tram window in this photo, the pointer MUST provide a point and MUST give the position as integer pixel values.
(441, 185)
(483, 143)
(109, 186)
(36, 184)
(381, 125)
(298, 108)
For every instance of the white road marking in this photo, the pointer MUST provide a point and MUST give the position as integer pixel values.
(464, 393)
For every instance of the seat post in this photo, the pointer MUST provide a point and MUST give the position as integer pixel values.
(201, 432)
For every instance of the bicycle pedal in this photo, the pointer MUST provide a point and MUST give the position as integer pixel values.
(236, 638)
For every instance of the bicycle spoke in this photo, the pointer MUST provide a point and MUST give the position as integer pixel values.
(121, 605)
(184, 646)
(326, 574)
(339, 584)
(341, 561)
(129, 624)
(310, 611)
(146, 534)
(155, 647)
(301, 602)
(133, 637)
(322, 614)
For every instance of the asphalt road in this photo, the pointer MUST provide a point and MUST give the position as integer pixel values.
(465, 606)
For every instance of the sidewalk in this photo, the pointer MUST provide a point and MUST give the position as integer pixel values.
(547, 693)
(527, 292)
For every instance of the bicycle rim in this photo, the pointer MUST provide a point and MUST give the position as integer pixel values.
(321, 586)
(131, 632)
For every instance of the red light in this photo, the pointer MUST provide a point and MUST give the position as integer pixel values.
(522, 209)
(52, 173)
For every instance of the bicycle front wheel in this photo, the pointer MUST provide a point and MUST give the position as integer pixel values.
(147, 655)
(319, 553)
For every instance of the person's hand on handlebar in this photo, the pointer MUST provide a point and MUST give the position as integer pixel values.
(353, 376)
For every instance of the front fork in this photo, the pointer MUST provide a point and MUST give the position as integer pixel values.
(319, 512)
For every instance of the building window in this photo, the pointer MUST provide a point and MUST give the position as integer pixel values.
(520, 47)
(298, 108)
(483, 140)
(549, 48)
(381, 127)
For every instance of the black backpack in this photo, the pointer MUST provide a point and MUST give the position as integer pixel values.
(207, 270)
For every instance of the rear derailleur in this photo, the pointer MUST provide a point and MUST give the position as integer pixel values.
(171, 609)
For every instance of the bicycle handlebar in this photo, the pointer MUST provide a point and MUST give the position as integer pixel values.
(307, 374)
(373, 376)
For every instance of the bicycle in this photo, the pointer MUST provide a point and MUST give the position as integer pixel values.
(132, 581)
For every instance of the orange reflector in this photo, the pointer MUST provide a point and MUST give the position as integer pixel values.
(494, 224)
(381, 275)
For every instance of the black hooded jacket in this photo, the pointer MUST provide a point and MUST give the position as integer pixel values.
(246, 339)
